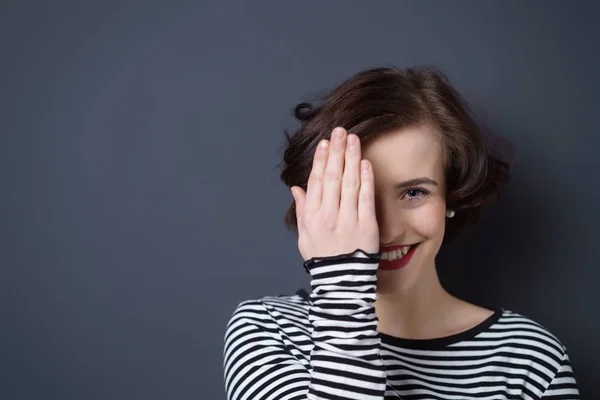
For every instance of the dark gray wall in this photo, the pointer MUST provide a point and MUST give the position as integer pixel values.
(140, 199)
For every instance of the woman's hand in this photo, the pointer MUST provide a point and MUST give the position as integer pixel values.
(336, 215)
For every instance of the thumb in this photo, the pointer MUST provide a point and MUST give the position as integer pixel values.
(298, 195)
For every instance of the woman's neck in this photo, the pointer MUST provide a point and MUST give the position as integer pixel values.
(425, 311)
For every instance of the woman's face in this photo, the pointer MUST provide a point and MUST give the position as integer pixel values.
(408, 214)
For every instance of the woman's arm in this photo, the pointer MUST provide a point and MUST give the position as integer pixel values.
(345, 362)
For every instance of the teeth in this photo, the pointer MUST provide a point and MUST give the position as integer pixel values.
(396, 254)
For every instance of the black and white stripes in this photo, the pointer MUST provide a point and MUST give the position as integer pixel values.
(346, 358)
(326, 346)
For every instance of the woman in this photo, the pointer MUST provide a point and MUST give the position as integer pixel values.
(373, 205)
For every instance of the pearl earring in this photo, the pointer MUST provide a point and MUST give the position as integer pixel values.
(450, 213)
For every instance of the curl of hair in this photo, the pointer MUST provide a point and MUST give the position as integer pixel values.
(380, 100)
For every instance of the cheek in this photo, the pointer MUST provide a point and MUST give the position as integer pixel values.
(429, 220)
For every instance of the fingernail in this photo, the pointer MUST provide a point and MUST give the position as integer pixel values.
(338, 133)
(351, 141)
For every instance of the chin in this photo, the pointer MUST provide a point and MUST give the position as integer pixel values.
(406, 279)
(394, 283)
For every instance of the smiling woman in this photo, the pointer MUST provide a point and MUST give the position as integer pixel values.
(404, 170)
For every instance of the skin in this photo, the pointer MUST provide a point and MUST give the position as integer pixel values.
(346, 207)
(411, 301)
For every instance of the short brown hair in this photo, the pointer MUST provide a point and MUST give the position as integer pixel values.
(380, 100)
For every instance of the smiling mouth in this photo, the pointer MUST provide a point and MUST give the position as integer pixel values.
(398, 253)
(391, 261)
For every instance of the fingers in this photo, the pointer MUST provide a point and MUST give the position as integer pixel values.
(340, 186)
(330, 203)
(337, 210)
(314, 187)
(350, 181)
(366, 196)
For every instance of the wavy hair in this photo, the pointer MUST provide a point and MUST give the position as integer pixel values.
(380, 100)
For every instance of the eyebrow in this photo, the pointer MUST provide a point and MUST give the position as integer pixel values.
(416, 181)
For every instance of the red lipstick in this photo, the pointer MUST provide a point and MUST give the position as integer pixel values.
(399, 263)
(385, 249)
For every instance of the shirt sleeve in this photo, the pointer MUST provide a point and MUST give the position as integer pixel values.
(345, 360)
(563, 386)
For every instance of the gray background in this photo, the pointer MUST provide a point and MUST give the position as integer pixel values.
(140, 197)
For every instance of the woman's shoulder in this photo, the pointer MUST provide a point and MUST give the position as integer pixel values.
(526, 343)
(525, 333)
(273, 307)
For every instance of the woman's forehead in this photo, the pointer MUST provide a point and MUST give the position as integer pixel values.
(405, 154)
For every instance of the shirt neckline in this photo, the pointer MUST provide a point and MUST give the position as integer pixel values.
(441, 342)
(435, 343)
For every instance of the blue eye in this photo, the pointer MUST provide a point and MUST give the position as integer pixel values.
(413, 193)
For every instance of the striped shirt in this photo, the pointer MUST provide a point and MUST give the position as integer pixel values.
(325, 345)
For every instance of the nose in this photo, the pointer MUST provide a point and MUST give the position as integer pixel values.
(390, 224)
(389, 232)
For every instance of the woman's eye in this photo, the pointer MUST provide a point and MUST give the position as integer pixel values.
(413, 194)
